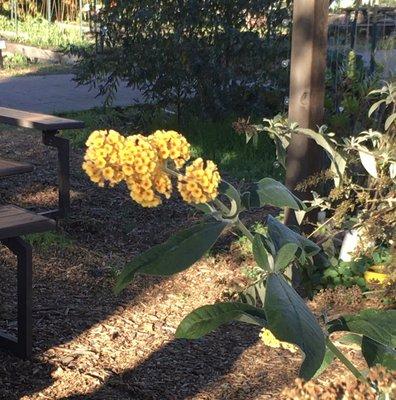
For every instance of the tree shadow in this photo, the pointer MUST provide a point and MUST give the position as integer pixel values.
(195, 365)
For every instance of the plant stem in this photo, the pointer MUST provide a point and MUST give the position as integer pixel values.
(333, 348)
(245, 230)
(170, 171)
(320, 227)
(221, 206)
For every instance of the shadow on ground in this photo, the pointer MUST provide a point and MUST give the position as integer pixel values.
(195, 366)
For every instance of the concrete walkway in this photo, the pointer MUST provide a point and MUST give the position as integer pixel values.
(56, 93)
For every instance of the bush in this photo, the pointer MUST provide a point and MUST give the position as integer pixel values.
(219, 55)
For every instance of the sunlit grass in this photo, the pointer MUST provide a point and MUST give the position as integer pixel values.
(41, 33)
(215, 140)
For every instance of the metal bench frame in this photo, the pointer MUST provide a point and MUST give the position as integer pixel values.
(51, 139)
(50, 127)
(22, 345)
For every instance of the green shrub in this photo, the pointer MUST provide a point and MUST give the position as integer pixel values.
(219, 55)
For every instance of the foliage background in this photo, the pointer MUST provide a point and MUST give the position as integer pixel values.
(216, 55)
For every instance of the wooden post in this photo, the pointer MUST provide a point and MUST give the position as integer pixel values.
(49, 10)
(307, 87)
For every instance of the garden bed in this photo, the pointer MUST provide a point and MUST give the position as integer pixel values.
(89, 343)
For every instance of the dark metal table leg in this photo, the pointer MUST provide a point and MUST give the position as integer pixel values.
(23, 345)
(62, 145)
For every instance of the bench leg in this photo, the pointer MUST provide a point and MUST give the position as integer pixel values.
(62, 145)
(22, 346)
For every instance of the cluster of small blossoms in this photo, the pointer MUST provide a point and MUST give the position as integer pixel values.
(200, 183)
(139, 164)
(171, 145)
(102, 160)
(271, 341)
(142, 163)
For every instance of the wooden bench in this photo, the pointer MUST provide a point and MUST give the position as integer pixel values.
(14, 223)
(9, 168)
(50, 127)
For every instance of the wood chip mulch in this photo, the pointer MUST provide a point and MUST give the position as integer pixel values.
(91, 344)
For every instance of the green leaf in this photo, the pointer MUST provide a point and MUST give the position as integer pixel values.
(369, 163)
(176, 254)
(269, 191)
(204, 207)
(280, 235)
(208, 318)
(290, 320)
(233, 194)
(327, 360)
(376, 353)
(375, 105)
(285, 256)
(389, 121)
(337, 157)
(378, 325)
(260, 253)
(351, 340)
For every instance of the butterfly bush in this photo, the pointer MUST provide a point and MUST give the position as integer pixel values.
(146, 164)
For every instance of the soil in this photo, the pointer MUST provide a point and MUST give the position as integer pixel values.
(91, 344)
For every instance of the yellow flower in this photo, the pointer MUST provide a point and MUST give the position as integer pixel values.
(200, 183)
(271, 341)
(171, 145)
(142, 163)
(102, 158)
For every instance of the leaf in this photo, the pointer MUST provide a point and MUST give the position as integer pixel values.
(378, 325)
(280, 235)
(260, 253)
(208, 318)
(269, 191)
(285, 256)
(376, 353)
(300, 216)
(233, 194)
(389, 121)
(204, 207)
(327, 360)
(280, 152)
(369, 163)
(338, 159)
(290, 320)
(392, 170)
(177, 254)
(375, 105)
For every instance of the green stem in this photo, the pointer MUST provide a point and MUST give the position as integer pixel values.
(245, 230)
(170, 171)
(333, 348)
(221, 206)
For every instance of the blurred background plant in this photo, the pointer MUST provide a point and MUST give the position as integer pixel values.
(358, 192)
(41, 33)
(215, 59)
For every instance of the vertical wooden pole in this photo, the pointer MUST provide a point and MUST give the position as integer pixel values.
(307, 87)
(49, 10)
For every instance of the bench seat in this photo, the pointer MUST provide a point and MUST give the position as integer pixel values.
(9, 168)
(15, 221)
(42, 122)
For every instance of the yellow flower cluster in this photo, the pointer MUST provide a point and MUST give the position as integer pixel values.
(271, 341)
(142, 163)
(139, 165)
(102, 160)
(199, 184)
(171, 145)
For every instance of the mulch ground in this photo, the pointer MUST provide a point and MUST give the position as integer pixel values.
(91, 344)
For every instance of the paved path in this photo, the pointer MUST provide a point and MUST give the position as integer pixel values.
(56, 93)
